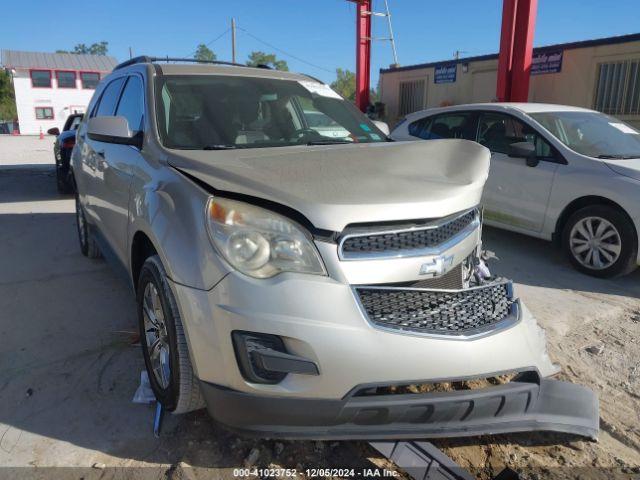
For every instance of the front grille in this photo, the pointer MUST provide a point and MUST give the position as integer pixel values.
(461, 312)
(452, 280)
(420, 238)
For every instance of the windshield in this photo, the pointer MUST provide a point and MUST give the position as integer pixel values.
(592, 134)
(210, 112)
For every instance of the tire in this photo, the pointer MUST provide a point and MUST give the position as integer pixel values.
(63, 182)
(607, 235)
(88, 245)
(177, 389)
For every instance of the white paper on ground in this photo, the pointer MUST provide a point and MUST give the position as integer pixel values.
(319, 88)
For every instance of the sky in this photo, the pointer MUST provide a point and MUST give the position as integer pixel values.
(313, 36)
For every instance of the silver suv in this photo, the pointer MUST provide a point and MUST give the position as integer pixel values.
(297, 272)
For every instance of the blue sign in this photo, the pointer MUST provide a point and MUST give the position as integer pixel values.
(548, 62)
(445, 73)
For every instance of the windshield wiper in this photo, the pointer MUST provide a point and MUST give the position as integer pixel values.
(618, 157)
(219, 147)
(328, 142)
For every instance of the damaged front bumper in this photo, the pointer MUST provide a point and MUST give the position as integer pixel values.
(528, 403)
(371, 336)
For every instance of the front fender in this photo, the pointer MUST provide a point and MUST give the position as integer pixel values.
(595, 181)
(170, 210)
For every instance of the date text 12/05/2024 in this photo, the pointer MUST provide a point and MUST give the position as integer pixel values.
(314, 472)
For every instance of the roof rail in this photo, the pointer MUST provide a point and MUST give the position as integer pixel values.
(147, 59)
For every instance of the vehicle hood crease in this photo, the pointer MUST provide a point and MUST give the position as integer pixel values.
(336, 185)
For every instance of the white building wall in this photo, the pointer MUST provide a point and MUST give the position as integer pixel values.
(64, 101)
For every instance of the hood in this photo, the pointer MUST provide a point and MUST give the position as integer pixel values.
(626, 168)
(337, 185)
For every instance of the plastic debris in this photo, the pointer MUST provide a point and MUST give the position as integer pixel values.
(144, 394)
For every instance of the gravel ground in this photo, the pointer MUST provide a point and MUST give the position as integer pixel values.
(69, 369)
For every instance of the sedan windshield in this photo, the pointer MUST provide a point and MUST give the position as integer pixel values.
(592, 134)
(221, 112)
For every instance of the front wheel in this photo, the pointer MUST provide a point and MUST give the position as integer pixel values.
(600, 241)
(164, 344)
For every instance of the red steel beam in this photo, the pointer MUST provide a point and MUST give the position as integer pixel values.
(363, 53)
(516, 49)
(503, 87)
(523, 49)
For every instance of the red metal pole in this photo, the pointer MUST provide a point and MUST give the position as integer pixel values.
(503, 87)
(523, 49)
(363, 54)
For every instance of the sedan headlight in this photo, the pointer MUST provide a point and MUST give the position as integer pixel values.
(258, 242)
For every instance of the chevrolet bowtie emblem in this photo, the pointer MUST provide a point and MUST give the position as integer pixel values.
(436, 267)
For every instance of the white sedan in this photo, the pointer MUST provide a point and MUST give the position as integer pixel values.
(557, 172)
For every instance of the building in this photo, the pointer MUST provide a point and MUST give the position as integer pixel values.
(50, 86)
(602, 74)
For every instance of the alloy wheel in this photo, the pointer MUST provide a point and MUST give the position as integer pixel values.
(156, 335)
(595, 243)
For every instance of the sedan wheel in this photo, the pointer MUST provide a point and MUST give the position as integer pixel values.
(600, 240)
(595, 243)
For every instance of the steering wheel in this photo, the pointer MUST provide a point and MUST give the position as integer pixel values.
(302, 134)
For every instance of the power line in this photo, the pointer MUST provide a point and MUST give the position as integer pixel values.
(211, 42)
(284, 52)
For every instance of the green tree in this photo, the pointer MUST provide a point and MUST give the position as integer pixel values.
(7, 97)
(261, 58)
(204, 53)
(345, 84)
(100, 48)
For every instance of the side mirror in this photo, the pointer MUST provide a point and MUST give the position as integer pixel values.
(382, 126)
(525, 150)
(54, 131)
(113, 130)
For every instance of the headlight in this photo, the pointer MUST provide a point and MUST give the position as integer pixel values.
(258, 242)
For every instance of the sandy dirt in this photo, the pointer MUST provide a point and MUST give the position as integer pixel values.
(69, 369)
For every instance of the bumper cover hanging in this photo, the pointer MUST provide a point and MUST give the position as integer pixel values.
(529, 404)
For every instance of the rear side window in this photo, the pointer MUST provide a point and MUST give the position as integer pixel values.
(109, 98)
(420, 128)
(451, 125)
(131, 104)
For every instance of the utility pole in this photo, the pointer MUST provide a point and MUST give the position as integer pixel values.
(130, 53)
(233, 40)
(457, 53)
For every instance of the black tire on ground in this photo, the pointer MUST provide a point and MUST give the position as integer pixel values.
(182, 394)
(63, 182)
(88, 245)
(626, 261)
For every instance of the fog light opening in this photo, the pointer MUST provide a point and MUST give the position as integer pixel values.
(246, 344)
